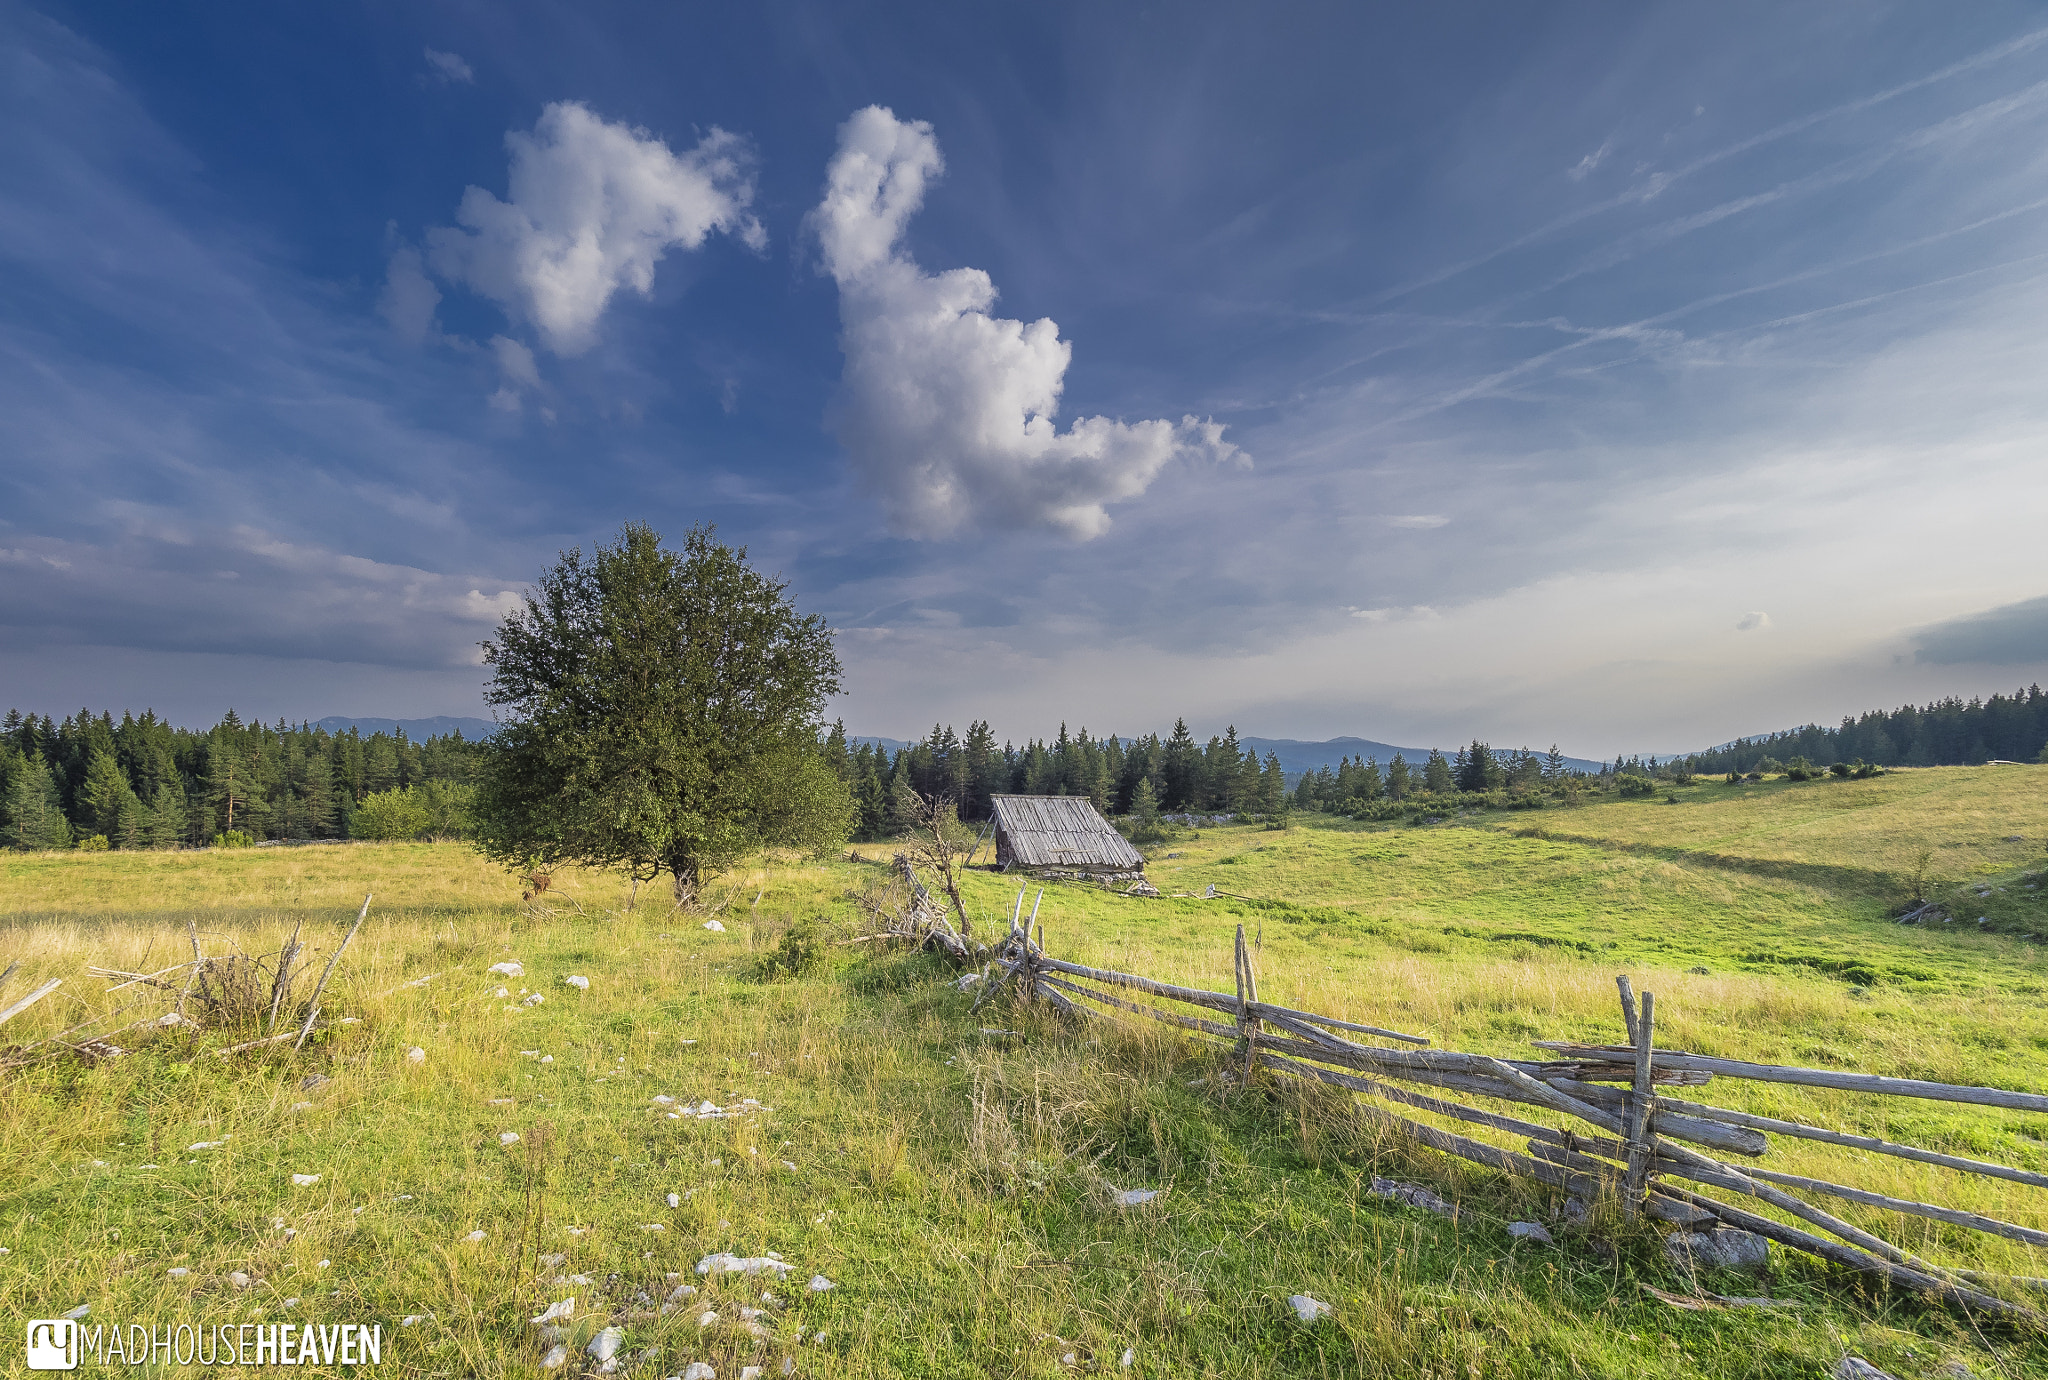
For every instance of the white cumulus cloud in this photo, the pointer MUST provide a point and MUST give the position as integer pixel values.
(945, 410)
(1750, 622)
(593, 208)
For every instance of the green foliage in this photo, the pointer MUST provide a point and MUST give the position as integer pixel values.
(664, 715)
(92, 843)
(435, 809)
(233, 838)
(1631, 786)
(800, 950)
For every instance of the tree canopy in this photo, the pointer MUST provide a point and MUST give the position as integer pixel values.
(661, 714)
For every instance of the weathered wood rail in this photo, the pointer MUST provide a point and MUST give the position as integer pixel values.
(1647, 1137)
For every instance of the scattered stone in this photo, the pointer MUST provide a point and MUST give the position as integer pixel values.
(1414, 1195)
(819, 1284)
(1309, 1310)
(500, 994)
(557, 1356)
(664, 1100)
(675, 1200)
(560, 1309)
(508, 1137)
(581, 984)
(79, 1312)
(605, 1344)
(238, 1278)
(314, 1080)
(475, 1238)
(507, 969)
(714, 927)
(1132, 1197)
(2015, 838)
(653, 1226)
(1530, 1231)
(750, 1373)
(411, 1319)
(1723, 1248)
(1856, 1368)
(699, 1370)
(304, 1180)
(547, 1058)
(681, 1292)
(725, 1262)
(1576, 1212)
(1130, 1356)
(415, 1055)
(705, 1319)
(178, 1272)
(197, 1145)
(535, 1000)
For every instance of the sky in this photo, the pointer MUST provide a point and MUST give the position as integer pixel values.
(1625, 378)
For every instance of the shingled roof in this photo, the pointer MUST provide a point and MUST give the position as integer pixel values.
(1059, 831)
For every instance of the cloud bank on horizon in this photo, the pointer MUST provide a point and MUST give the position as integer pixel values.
(945, 409)
(1566, 349)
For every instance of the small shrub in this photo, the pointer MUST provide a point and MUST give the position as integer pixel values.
(233, 838)
(800, 949)
(1628, 786)
(391, 815)
(92, 843)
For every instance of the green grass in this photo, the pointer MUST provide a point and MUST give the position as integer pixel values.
(957, 1185)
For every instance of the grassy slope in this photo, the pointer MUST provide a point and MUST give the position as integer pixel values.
(962, 1180)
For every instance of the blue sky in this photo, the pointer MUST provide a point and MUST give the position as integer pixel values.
(1629, 378)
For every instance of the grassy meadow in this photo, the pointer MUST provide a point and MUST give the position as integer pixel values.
(953, 1173)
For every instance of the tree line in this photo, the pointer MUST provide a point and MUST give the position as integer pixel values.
(1943, 733)
(143, 783)
(1150, 776)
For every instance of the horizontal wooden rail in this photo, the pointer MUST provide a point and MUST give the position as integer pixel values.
(1813, 1078)
(1855, 1142)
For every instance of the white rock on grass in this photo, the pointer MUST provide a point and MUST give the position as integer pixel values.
(725, 1262)
(239, 1279)
(508, 1137)
(198, 1145)
(1856, 1368)
(177, 1272)
(415, 1055)
(507, 969)
(581, 984)
(1132, 1197)
(1530, 1231)
(714, 927)
(500, 994)
(1130, 1358)
(705, 1319)
(819, 1284)
(1308, 1309)
(675, 1200)
(557, 1357)
(475, 1238)
(535, 1000)
(304, 1180)
(750, 1373)
(559, 1310)
(699, 1370)
(605, 1344)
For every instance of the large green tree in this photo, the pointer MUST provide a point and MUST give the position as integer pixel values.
(661, 711)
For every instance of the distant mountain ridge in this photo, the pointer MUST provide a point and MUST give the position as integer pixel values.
(475, 730)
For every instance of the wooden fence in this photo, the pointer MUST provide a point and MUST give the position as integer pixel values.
(1643, 1139)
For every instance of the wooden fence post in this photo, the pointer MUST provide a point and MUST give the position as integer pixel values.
(1247, 997)
(1642, 1118)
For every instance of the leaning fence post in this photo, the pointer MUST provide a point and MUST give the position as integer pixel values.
(1642, 1140)
(1247, 995)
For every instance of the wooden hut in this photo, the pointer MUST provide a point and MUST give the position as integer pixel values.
(1062, 836)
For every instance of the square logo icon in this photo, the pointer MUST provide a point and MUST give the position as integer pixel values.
(53, 1344)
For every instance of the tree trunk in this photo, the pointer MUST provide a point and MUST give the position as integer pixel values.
(689, 876)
